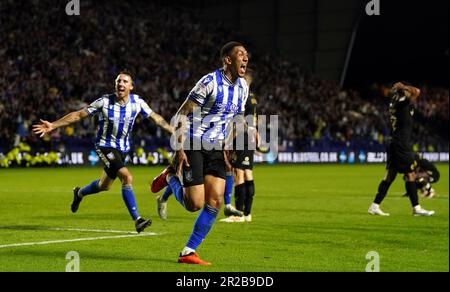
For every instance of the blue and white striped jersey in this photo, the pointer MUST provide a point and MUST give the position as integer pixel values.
(116, 120)
(220, 101)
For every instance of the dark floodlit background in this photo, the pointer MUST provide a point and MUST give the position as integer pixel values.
(324, 67)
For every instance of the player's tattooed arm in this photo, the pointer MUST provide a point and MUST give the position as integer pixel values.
(188, 107)
(181, 119)
(45, 127)
(161, 122)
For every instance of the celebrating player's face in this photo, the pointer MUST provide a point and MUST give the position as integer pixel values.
(239, 61)
(124, 85)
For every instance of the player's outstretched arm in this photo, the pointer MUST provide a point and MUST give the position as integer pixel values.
(161, 122)
(46, 127)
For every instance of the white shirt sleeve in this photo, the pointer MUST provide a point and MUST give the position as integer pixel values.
(95, 107)
(202, 90)
(146, 111)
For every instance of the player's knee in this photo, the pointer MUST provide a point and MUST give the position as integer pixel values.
(194, 206)
(216, 202)
(194, 209)
(104, 187)
(127, 179)
(248, 175)
(411, 177)
(239, 180)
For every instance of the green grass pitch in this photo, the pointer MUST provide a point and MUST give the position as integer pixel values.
(305, 218)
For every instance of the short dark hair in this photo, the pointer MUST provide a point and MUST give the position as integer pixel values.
(228, 48)
(399, 91)
(126, 72)
(407, 83)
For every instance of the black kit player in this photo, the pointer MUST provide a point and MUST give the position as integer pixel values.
(427, 174)
(240, 170)
(400, 157)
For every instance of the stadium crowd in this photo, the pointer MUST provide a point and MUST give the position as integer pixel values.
(53, 64)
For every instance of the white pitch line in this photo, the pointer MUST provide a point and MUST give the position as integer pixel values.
(89, 230)
(77, 239)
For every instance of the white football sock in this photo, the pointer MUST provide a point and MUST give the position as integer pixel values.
(187, 251)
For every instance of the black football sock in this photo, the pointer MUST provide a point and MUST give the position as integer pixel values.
(239, 196)
(411, 190)
(382, 192)
(250, 193)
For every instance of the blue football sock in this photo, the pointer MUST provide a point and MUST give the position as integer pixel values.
(92, 188)
(167, 193)
(130, 201)
(177, 189)
(202, 226)
(228, 189)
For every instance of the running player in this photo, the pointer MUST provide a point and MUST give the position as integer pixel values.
(117, 113)
(197, 178)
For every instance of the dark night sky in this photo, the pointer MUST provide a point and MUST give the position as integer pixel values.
(409, 41)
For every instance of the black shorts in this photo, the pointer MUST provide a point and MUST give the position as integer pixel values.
(242, 159)
(112, 159)
(203, 163)
(400, 158)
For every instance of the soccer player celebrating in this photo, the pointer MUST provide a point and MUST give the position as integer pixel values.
(218, 98)
(117, 113)
(401, 158)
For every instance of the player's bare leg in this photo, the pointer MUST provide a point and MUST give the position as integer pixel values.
(194, 198)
